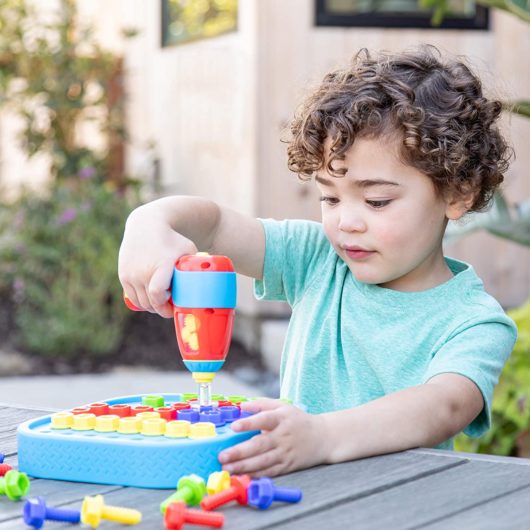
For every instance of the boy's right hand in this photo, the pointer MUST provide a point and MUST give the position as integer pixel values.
(147, 257)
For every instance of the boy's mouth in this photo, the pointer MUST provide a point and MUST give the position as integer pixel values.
(358, 253)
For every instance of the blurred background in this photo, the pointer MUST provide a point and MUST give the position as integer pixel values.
(108, 104)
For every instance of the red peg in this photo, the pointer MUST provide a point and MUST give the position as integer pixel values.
(167, 413)
(4, 468)
(236, 492)
(181, 406)
(177, 515)
(120, 409)
(140, 408)
(80, 410)
(99, 409)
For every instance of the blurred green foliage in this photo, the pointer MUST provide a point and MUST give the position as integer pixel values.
(511, 400)
(58, 246)
(186, 20)
(56, 77)
(58, 254)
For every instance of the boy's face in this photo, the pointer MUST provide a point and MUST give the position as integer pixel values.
(384, 218)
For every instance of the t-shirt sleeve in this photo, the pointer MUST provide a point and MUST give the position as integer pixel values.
(479, 353)
(294, 252)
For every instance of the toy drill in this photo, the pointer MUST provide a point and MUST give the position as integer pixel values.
(203, 295)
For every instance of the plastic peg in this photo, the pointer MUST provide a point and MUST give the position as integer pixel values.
(190, 415)
(138, 409)
(202, 429)
(130, 425)
(14, 485)
(36, 512)
(177, 429)
(262, 493)
(80, 410)
(230, 413)
(120, 409)
(177, 515)
(153, 401)
(148, 415)
(218, 481)
(153, 427)
(1, 458)
(93, 510)
(213, 416)
(99, 409)
(180, 406)
(84, 422)
(236, 492)
(167, 413)
(62, 420)
(190, 489)
(4, 468)
(237, 399)
(107, 423)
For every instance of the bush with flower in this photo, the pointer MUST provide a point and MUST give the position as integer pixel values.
(58, 257)
(58, 246)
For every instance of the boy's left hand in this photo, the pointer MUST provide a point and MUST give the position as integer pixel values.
(290, 439)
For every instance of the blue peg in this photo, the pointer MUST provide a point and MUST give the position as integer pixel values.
(36, 512)
(1, 458)
(262, 492)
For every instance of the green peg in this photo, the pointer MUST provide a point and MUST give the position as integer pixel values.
(14, 485)
(190, 489)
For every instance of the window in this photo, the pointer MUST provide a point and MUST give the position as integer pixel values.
(191, 20)
(461, 14)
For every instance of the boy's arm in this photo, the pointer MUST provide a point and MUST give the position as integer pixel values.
(290, 439)
(423, 415)
(158, 233)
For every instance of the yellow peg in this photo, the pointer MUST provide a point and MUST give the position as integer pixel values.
(218, 481)
(94, 510)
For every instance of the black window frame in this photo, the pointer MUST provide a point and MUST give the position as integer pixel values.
(480, 22)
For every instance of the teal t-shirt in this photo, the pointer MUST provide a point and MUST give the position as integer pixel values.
(349, 342)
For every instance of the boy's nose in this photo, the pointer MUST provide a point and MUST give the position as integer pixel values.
(351, 222)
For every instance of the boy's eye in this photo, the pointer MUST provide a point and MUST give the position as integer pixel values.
(379, 204)
(329, 200)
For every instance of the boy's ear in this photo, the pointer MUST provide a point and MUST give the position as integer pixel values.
(458, 205)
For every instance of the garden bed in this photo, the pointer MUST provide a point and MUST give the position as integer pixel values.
(148, 341)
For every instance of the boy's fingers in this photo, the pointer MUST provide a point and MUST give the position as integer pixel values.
(256, 465)
(158, 291)
(255, 446)
(131, 294)
(264, 421)
(257, 405)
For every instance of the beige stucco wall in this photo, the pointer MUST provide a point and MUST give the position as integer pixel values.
(213, 111)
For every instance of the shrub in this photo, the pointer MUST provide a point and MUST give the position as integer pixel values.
(511, 401)
(59, 255)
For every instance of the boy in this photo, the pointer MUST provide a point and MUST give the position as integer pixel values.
(390, 345)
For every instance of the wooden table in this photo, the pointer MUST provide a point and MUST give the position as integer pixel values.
(422, 488)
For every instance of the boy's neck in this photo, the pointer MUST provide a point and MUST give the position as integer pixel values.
(433, 272)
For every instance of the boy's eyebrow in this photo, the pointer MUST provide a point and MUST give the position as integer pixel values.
(365, 183)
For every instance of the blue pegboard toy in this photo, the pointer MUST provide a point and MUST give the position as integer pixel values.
(119, 459)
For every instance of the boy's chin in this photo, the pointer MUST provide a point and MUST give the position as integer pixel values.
(366, 276)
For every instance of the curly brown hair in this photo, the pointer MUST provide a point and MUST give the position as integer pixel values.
(446, 124)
